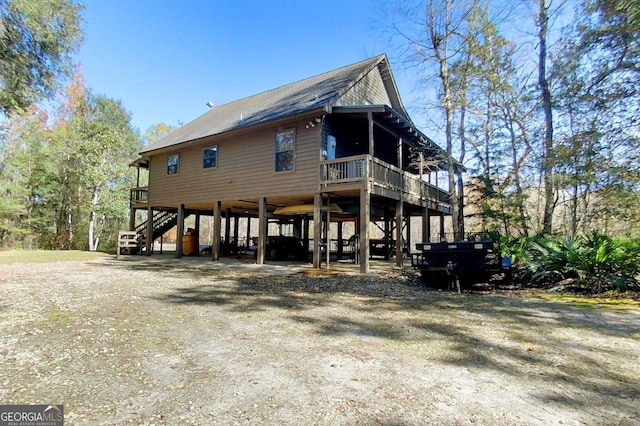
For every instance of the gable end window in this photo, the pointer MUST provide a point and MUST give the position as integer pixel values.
(285, 150)
(173, 164)
(210, 157)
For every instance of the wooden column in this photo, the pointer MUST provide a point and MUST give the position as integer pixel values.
(149, 241)
(365, 216)
(227, 226)
(197, 224)
(132, 219)
(327, 238)
(442, 234)
(236, 230)
(387, 233)
(399, 216)
(340, 239)
(249, 232)
(399, 209)
(356, 243)
(317, 230)
(408, 239)
(262, 231)
(180, 231)
(215, 244)
(371, 142)
(426, 225)
(461, 230)
(305, 236)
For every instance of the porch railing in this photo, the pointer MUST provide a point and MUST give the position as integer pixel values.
(139, 196)
(358, 168)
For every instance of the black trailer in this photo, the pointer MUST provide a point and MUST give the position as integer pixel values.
(459, 263)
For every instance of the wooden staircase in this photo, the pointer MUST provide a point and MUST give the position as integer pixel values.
(162, 222)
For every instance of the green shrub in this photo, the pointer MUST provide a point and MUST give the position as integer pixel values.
(594, 263)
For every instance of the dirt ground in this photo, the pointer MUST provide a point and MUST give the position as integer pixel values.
(160, 341)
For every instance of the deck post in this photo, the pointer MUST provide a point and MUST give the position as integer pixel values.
(399, 217)
(215, 244)
(262, 231)
(461, 230)
(132, 218)
(180, 231)
(317, 230)
(149, 241)
(236, 230)
(399, 210)
(248, 232)
(371, 142)
(365, 200)
(387, 233)
(328, 233)
(426, 225)
(408, 239)
(305, 235)
(340, 239)
(356, 243)
(227, 226)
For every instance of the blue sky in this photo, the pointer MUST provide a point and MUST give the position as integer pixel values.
(166, 59)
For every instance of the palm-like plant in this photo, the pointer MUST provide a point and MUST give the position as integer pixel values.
(597, 262)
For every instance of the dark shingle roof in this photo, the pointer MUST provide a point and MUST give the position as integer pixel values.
(312, 93)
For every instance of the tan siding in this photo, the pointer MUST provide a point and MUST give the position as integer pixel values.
(369, 89)
(245, 169)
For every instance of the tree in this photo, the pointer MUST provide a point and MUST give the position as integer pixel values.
(610, 43)
(156, 132)
(434, 33)
(107, 146)
(545, 95)
(597, 165)
(489, 109)
(93, 143)
(37, 40)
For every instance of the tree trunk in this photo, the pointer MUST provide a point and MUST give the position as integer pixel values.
(440, 43)
(547, 159)
(93, 242)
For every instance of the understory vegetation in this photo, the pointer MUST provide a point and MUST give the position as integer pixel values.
(595, 263)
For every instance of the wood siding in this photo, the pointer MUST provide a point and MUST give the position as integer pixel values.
(370, 89)
(245, 168)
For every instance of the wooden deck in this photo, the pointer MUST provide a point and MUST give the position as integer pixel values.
(352, 172)
(387, 180)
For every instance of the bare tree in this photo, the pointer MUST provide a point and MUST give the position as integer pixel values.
(545, 93)
(433, 33)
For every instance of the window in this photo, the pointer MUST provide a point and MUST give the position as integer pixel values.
(210, 157)
(173, 164)
(285, 149)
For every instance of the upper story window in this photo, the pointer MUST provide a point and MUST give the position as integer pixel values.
(210, 157)
(173, 164)
(285, 150)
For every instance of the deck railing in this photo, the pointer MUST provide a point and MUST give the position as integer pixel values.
(358, 168)
(139, 196)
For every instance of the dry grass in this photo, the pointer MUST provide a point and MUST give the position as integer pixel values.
(43, 256)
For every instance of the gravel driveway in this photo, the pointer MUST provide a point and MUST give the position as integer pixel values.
(165, 341)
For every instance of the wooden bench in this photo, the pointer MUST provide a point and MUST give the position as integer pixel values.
(128, 243)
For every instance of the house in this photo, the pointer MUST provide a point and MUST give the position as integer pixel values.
(339, 146)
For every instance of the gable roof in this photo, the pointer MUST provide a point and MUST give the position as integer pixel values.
(319, 92)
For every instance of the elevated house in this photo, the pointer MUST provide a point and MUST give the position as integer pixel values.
(335, 147)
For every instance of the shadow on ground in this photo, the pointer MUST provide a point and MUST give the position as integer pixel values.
(581, 348)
